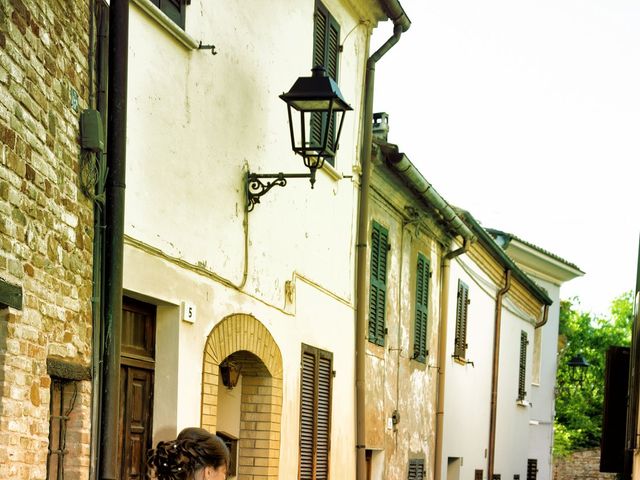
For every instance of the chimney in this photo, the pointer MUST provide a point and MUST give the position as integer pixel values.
(381, 126)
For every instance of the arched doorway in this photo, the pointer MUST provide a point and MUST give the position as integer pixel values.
(247, 342)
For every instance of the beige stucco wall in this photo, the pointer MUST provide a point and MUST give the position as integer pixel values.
(395, 381)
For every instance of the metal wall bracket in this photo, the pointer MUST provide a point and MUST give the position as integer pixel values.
(256, 188)
(208, 47)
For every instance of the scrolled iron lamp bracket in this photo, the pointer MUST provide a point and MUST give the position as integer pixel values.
(256, 187)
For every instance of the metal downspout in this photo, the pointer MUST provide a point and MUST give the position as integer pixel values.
(545, 317)
(494, 372)
(445, 270)
(114, 247)
(98, 249)
(401, 24)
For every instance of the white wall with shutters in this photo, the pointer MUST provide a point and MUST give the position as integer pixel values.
(512, 430)
(197, 123)
(468, 386)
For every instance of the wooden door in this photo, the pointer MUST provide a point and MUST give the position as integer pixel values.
(136, 388)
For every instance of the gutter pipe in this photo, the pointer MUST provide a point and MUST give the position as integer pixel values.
(445, 270)
(494, 372)
(545, 317)
(401, 23)
(416, 181)
(100, 12)
(114, 245)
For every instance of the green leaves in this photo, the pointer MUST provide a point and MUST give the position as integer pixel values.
(580, 391)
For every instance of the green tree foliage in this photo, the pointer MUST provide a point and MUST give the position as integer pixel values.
(580, 391)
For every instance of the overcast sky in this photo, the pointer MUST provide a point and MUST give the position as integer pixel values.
(527, 114)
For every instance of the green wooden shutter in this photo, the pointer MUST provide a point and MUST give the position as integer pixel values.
(320, 21)
(522, 371)
(174, 9)
(462, 308)
(315, 413)
(324, 417)
(326, 51)
(423, 272)
(416, 469)
(307, 407)
(378, 283)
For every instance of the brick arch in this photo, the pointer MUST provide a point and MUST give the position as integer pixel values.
(261, 404)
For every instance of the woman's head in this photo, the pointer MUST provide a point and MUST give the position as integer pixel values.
(195, 455)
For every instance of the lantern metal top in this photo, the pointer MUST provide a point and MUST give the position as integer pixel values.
(316, 93)
(578, 361)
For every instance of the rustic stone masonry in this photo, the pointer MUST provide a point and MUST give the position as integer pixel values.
(46, 229)
(582, 465)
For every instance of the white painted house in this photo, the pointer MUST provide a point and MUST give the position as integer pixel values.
(209, 284)
(495, 310)
(550, 272)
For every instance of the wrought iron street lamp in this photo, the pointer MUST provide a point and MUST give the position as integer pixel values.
(578, 365)
(578, 361)
(318, 102)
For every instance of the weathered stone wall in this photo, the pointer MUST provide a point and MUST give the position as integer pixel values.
(46, 228)
(583, 465)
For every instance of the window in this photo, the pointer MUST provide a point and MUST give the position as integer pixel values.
(326, 50)
(522, 371)
(416, 469)
(62, 401)
(174, 9)
(462, 308)
(532, 469)
(10, 295)
(315, 413)
(378, 283)
(232, 444)
(423, 274)
(63, 398)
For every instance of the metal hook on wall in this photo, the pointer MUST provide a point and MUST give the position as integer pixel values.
(207, 47)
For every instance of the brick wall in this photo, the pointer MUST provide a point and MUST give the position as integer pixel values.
(46, 227)
(583, 465)
(260, 414)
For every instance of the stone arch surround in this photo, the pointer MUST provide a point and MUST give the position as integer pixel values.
(261, 404)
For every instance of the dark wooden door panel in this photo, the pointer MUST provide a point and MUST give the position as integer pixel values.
(136, 414)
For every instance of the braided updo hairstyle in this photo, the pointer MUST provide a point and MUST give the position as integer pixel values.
(180, 459)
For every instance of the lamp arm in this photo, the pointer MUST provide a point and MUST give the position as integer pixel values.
(256, 188)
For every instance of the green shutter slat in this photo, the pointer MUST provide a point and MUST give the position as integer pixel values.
(416, 469)
(421, 309)
(333, 48)
(522, 372)
(319, 36)
(460, 346)
(319, 58)
(378, 280)
(315, 413)
(324, 418)
(326, 52)
(307, 407)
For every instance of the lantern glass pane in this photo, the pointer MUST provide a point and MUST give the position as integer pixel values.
(311, 105)
(301, 126)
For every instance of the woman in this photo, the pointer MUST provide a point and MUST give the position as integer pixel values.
(195, 455)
